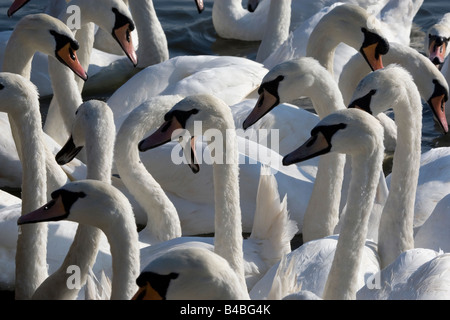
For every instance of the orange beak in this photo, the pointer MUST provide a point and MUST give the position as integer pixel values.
(52, 211)
(146, 293)
(123, 37)
(437, 52)
(69, 57)
(437, 105)
(375, 61)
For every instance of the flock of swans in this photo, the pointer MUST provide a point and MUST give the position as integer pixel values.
(100, 190)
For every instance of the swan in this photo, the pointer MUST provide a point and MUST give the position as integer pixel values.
(393, 87)
(232, 21)
(109, 15)
(430, 82)
(436, 41)
(335, 267)
(228, 242)
(396, 16)
(91, 120)
(37, 32)
(100, 205)
(20, 100)
(283, 83)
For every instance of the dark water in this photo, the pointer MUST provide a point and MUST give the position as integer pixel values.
(189, 33)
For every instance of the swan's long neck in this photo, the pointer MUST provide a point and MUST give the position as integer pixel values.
(396, 224)
(321, 216)
(153, 47)
(228, 240)
(83, 251)
(67, 87)
(163, 222)
(123, 239)
(342, 279)
(231, 20)
(31, 253)
(276, 28)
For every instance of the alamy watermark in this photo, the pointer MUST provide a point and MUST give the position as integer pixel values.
(74, 17)
(254, 146)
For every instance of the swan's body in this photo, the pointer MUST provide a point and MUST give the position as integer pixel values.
(375, 93)
(100, 205)
(336, 267)
(433, 233)
(212, 110)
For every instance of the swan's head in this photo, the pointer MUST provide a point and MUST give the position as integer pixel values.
(92, 118)
(90, 202)
(52, 37)
(16, 92)
(354, 26)
(114, 17)
(386, 88)
(188, 273)
(193, 116)
(286, 82)
(436, 43)
(200, 5)
(349, 131)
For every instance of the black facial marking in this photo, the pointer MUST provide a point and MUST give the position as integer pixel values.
(2, 87)
(62, 40)
(160, 283)
(122, 20)
(364, 102)
(328, 131)
(439, 90)
(181, 116)
(68, 199)
(372, 38)
(271, 87)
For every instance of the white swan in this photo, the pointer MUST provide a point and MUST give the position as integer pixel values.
(20, 100)
(109, 15)
(100, 205)
(91, 120)
(336, 267)
(436, 41)
(430, 82)
(384, 24)
(393, 87)
(214, 113)
(232, 21)
(37, 32)
(285, 82)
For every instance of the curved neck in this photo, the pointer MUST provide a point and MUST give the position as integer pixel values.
(342, 279)
(228, 239)
(31, 263)
(396, 223)
(124, 243)
(153, 47)
(163, 222)
(321, 217)
(19, 54)
(276, 28)
(231, 20)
